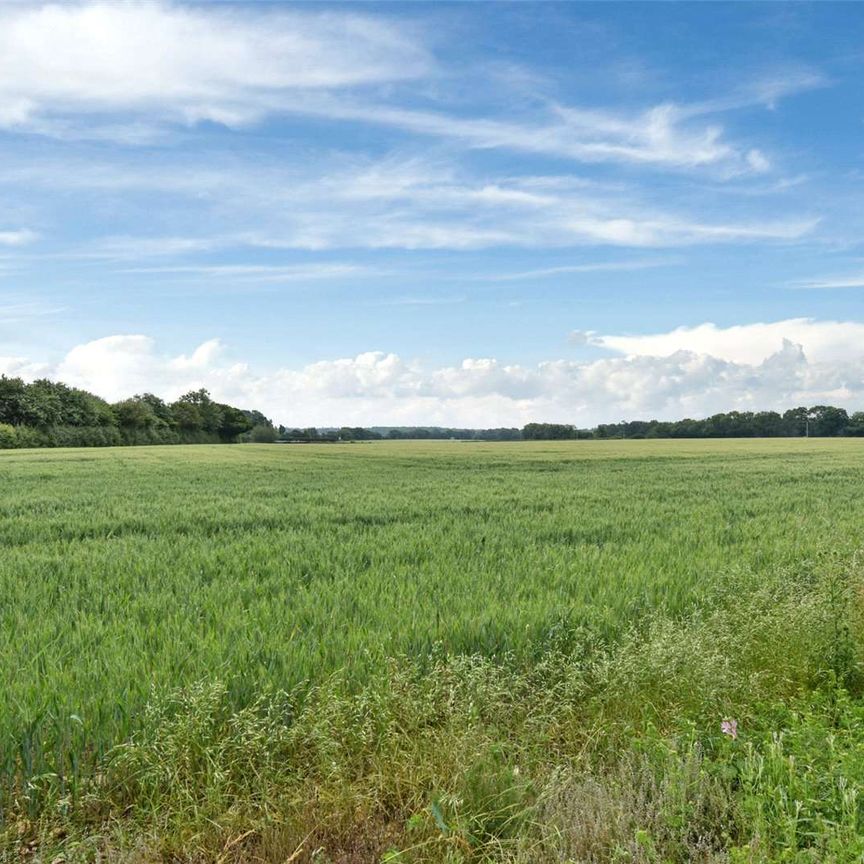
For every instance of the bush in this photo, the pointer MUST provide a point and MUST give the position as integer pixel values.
(262, 435)
(8, 437)
(85, 436)
(151, 435)
(29, 437)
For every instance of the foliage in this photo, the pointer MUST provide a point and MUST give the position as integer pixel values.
(49, 414)
(262, 434)
(820, 421)
(8, 436)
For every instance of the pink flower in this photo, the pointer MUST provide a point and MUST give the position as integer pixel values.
(730, 728)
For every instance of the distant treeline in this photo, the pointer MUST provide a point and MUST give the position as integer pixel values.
(49, 414)
(818, 421)
(402, 433)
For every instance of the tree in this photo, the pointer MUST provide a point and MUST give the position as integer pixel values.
(41, 406)
(187, 416)
(135, 413)
(262, 434)
(856, 424)
(827, 421)
(12, 400)
(233, 422)
(795, 421)
(160, 408)
(206, 416)
(256, 418)
(549, 432)
(767, 424)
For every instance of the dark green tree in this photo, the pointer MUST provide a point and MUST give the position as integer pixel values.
(12, 401)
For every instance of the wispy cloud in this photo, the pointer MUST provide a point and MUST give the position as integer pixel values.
(186, 63)
(413, 206)
(109, 70)
(131, 248)
(16, 313)
(765, 89)
(590, 267)
(423, 300)
(678, 135)
(855, 280)
(663, 135)
(20, 237)
(260, 272)
(398, 202)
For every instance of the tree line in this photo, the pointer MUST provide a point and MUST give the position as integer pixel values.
(822, 421)
(50, 414)
(397, 433)
(46, 413)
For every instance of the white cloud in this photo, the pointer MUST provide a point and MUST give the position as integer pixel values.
(663, 135)
(133, 248)
(22, 367)
(415, 205)
(116, 70)
(21, 237)
(382, 388)
(589, 267)
(267, 273)
(821, 341)
(115, 366)
(855, 280)
(16, 313)
(186, 63)
(666, 135)
(394, 203)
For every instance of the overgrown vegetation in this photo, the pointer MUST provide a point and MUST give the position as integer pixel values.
(497, 654)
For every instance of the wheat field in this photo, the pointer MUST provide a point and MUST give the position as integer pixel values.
(130, 573)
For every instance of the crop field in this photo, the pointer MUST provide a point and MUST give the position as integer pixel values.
(141, 577)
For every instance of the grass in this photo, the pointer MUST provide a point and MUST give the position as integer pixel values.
(436, 651)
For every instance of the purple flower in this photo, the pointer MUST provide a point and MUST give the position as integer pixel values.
(730, 728)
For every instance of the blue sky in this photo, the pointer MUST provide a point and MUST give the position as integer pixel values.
(469, 213)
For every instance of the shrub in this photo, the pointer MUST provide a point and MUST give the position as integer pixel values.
(262, 434)
(8, 437)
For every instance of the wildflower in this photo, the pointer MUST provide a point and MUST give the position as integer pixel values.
(730, 728)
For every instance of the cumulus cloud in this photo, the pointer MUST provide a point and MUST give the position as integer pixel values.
(21, 367)
(821, 341)
(383, 388)
(118, 366)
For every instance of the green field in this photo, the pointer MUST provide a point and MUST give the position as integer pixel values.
(127, 573)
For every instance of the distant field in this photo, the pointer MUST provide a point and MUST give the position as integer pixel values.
(126, 568)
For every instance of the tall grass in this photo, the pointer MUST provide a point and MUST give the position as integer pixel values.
(594, 753)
